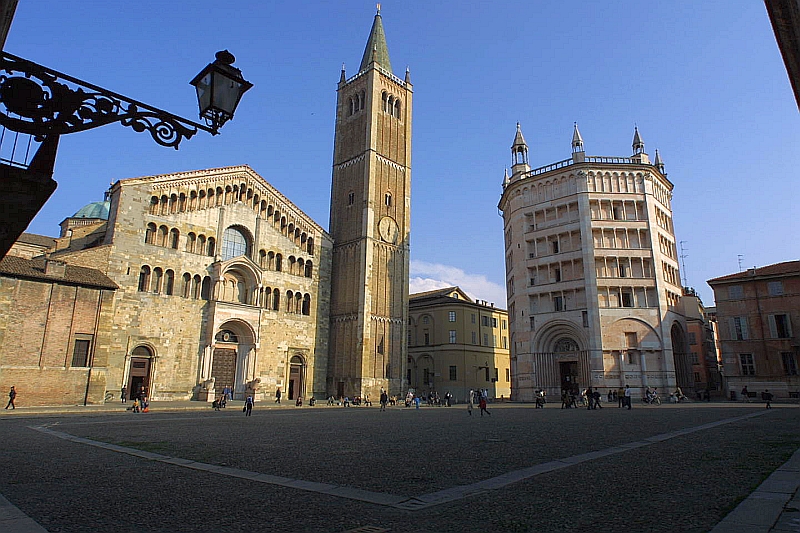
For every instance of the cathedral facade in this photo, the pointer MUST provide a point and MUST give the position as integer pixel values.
(592, 274)
(220, 282)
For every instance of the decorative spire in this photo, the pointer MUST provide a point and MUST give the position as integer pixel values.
(638, 143)
(506, 179)
(577, 140)
(408, 75)
(342, 78)
(659, 164)
(519, 150)
(376, 49)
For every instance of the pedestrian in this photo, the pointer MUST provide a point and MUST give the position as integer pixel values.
(745, 394)
(597, 396)
(628, 396)
(278, 395)
(470, 403)
(226, 392)
(12, 394)
(248, 406)
(564, 399)
(766, 395)
(482, 405)
(384, 399)
(590, 398)
(620, 397)
(123, 394)
(610, 396)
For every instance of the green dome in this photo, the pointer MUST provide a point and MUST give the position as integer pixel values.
(93, 210)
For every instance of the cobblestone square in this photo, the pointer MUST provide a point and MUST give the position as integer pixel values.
(326, 469)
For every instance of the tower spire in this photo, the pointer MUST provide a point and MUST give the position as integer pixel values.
(376, 49)
(638, 143)
(519, 153)
(577, 140)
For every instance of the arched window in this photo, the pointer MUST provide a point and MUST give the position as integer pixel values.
(363, 99)
(186, 290)
(387, 199)
(278, 262)
(234, 244)
(384, 98)
(150, 234)
(262, 258)
(307, 304)
(164, 204)
(271, 260)
(193, 200)
(351, 107)
(174, 237)
(169, 282)
(154, 205)
(265, 302)
(205, 290)
(144, 279)
(397, 108)
(201, 244)
(276, 300)
(196, 287)
(190, 242)
(158, 274)
(309, 269)
(212, 246)
(292, 264)
(289, 302)
(298, 303)
(351, 197)
(226, 335)
(173, 203)
(310, 246)
(162, 236)
(182, 202)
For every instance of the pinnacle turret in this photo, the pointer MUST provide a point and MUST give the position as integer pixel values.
(577, 140)
(638, 143)
(519, 151)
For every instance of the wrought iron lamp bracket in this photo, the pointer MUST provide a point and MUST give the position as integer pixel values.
(42, 102)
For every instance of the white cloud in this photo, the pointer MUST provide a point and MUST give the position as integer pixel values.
(431, 276)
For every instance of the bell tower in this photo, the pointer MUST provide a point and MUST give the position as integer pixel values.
(370, 225)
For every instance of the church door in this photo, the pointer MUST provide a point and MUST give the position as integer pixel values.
(223, 368)
(569, 376)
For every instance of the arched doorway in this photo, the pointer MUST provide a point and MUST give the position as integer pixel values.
(233, 344)
(139, 372)
(296, 377)
(223, 368)
(565, 349)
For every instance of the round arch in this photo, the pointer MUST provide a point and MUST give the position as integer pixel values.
(552, 333)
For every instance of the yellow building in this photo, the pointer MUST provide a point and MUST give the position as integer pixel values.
(456, 344)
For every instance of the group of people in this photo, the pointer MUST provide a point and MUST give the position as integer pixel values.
(481, 398)
(766, 396)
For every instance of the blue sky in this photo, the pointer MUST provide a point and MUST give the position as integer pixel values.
(704, 82)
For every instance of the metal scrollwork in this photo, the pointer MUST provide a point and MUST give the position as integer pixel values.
(37, 101)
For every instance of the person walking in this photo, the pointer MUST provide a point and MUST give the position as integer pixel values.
(620, 397)
(482, 405)
(384, 399)
(123, 394)
(278, 395)
(597, 396)
(745, 394)
(590, 399)
(767, 395)
(12, 395)
(248, 406)
(470, 402)
(628, 396)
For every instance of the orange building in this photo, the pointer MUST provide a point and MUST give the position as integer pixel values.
(758, 312)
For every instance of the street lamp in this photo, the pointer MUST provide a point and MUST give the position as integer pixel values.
(219, 87)
(44, 104)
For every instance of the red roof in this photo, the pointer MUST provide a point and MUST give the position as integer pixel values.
(778, 269)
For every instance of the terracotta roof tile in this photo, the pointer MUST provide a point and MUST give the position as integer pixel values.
(787, 267)
(17, 267)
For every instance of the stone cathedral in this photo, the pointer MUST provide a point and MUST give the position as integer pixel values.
(189, 283)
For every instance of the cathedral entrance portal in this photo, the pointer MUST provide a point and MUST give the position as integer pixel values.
(224, 368)
(295, 377)
(569, 376)
(139, 376)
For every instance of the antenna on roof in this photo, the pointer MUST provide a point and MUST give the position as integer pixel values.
(741, 257)
(684, 255)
